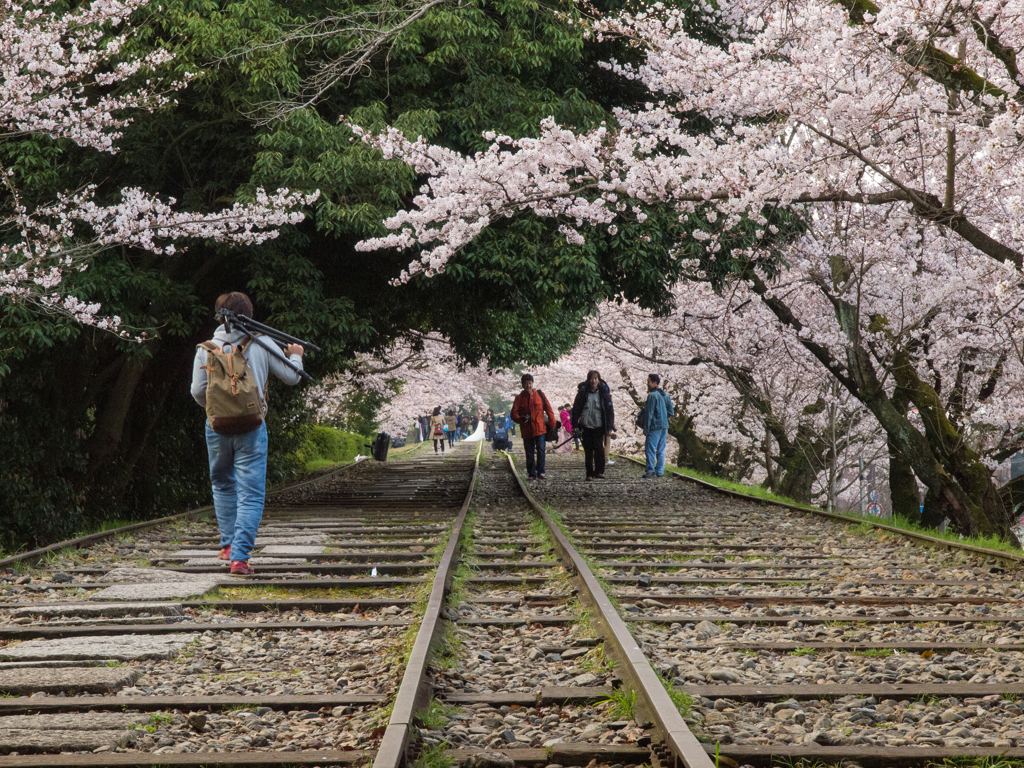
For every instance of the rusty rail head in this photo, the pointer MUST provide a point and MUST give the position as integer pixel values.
(652, 698)
(922, 537)
(36, 555)
(414, 692)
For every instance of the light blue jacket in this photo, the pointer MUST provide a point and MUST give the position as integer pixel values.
(657, 409)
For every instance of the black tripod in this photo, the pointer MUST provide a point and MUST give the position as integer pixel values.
(255, 331)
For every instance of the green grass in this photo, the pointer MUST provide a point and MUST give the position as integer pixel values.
(434, 757)
(437, 714)
(682, 700)
(803, 652)
(906, 524)
(622, 704)
(595, 661)
(318, 464)
(731, 485)
(868, 524)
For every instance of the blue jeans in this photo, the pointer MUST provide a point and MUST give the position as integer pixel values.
(238, 473)
(654, 447)
(534, 465)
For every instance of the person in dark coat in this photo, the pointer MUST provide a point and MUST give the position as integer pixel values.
(594, 416)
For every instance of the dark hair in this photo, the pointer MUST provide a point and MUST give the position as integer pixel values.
(566, 407)
(437, 411)
(526, 377)
(237, 302)
(594, 373)
(654, 377)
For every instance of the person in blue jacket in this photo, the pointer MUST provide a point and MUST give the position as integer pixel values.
(654, 421)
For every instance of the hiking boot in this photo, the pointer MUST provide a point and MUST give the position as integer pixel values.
(225, 554)
(649, 475)
(242, 568)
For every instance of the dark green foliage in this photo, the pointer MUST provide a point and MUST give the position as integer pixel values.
(325, 444)
(97, 428)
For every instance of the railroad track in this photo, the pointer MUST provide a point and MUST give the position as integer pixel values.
(434, 609)
(799, 638)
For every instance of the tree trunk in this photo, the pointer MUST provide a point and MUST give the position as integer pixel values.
(800, 466)
(959, 485)
(903, 490)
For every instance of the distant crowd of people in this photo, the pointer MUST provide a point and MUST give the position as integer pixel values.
(451, 426)
(588, 423)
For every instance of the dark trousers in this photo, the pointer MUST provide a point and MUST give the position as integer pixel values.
(534, 463)
(436, 441)
(451, 437)
(593, 450)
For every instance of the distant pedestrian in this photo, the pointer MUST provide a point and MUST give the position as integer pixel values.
(237, 447)
(563, 440)
(437, 425)
(654, 420)
(453, 427)
(489, 421)
(532, 411)
(593, 414)
(577, 434)
(568, 436)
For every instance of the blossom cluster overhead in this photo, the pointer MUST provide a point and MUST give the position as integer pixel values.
(58, 69)
(915, 105)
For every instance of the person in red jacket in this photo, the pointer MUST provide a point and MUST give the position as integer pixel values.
(532, 411)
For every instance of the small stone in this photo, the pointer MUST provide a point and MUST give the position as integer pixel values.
(725, 675)
(817, 737)
(951, 715)
(359, 666)
(708, 628)
(61, 578)
(494, 760)
(586, 679)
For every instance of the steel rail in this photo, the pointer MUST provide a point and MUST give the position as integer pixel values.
(653, 700)
(414, 691)
(36, 554)
(930, 540)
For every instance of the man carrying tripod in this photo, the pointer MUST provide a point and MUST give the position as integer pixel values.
(229, 380)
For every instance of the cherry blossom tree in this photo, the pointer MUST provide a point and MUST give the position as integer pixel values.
(751, 403)
(414, 375)
(63, 75)
(894, 133)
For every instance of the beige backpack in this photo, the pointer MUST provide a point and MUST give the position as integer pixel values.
(233, 403)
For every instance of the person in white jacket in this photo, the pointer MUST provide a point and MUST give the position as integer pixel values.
(238, 463)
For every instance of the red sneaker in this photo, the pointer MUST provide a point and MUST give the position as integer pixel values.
(242, 568)
(225, 554)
